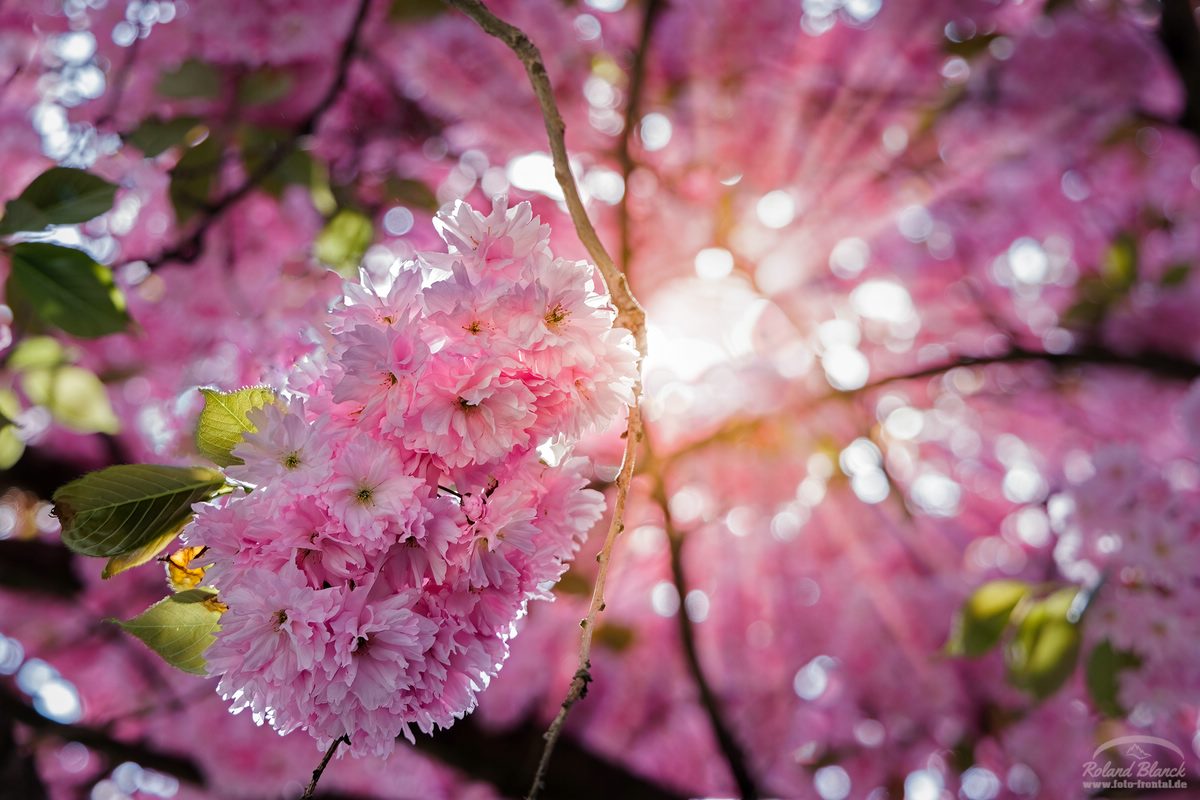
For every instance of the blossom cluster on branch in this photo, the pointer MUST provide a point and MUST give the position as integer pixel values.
(402, 513)
(920, 283)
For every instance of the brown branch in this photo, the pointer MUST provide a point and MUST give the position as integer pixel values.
(320, 770)
(629, 315)
(633, 106)
(579, 682)
(188, 250)
(629, 312)
(731, 750)
(1164, 365)
(502, 758)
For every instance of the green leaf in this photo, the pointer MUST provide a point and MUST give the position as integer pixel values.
(125, 507)
(74, 396)
(984, 616)
(412, 193)
(970, 48)
(12, 447)
(264, 86)
(1044, 651)
(343, 240)
(403, 11)
(1176, 275)
(180, 627)
(59, 196)
(138, 556)
(295, 168)
(191, 79)
(155, 135)
(1102, 672)
(1099, 293)
(67, 289)
(223, 422)
(193, 176)
(37, 352)
(614, 636)
(573, 583)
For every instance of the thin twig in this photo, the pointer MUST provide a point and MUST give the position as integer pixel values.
(188, 250)
(728, 744)
(579, 682)
(320, 770)
(629, 312)
(629, 315)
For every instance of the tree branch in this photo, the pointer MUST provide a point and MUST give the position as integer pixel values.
(629, 315)
(188, 250)
(500, 758)
(13, 708)
(1179, 36)
(1164, 365)
(629, 312)
(731, 750)
(633, 106)
(505, 758)
(320, 770)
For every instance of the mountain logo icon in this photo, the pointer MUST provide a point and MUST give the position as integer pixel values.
(1137, 753)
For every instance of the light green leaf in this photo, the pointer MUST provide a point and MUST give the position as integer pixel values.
(37, 352)
(59, 196)
(74, 396)
(125, 507)
(155, 135)
(1043, 654)
(984, 616)
(135, 558)
(67, 289)
(11, 445)
(191, 79)
(1120, 266)
(1102, 672)
(343, 240)
(180, 627)
(223, 422)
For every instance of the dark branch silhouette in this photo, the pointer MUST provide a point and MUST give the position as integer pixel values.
(190, 248)
(1179, 36)
(727, 742)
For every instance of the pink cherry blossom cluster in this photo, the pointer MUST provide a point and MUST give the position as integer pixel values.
(402, 512)
(1134, 534)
